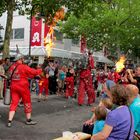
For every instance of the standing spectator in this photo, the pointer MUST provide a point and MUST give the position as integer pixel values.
(134, 106)
(135, 80)
(19, 87)
(119, 122)
(6, 64)
(61, 78)
(2, 72)
(51, 71)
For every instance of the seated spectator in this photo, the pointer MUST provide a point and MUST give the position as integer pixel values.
(100, 116)
(134, 106)
(107, 103)
(89, 124)
(119, 122)
(106, 88)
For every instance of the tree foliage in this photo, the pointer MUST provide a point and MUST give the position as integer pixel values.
(113, 23)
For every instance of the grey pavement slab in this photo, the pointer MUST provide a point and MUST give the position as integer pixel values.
(53, 116)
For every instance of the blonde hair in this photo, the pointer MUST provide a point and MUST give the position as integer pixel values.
(107, 103)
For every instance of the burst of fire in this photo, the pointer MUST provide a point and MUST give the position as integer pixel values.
(48, 40)
(120, 64)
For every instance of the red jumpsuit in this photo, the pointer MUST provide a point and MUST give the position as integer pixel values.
(20, 86)
(43, 85)
(86, 84)
(69, 86)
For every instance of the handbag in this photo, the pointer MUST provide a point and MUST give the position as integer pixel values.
(136, 136)
(7, 96)
(88, 129)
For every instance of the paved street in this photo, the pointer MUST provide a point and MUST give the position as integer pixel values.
(53, 116)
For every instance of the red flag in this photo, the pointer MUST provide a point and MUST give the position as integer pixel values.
(36, 32)
(83, 44)
(46, 30)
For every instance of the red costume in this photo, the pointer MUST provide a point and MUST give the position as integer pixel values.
(116, 77)
(86, 84)
(69, 86)
(44, 85)
(20, 85)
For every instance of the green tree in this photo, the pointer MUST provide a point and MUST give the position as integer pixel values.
(110, 23)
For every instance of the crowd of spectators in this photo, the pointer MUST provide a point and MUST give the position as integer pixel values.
(119, 93)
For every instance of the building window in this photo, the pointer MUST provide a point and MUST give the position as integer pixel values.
(75, 41)
(17, 33)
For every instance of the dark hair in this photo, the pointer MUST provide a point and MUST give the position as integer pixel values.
(7, 58)
(1, 62)
(100, 113)
(119, 95)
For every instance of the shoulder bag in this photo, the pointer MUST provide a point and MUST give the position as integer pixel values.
(7, 95)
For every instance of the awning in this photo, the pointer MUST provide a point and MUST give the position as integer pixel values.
(99, 57)
(40, 51)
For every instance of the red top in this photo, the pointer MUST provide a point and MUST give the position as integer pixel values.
(22, 73)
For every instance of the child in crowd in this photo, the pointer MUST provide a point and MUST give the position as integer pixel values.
(89, 124)
(107, 103)
(100, 116)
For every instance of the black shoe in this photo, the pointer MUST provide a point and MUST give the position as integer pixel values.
(30, 122)
(80, 104)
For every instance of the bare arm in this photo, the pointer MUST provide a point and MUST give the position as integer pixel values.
(104, 134)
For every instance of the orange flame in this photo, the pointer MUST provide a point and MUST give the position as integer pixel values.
(48, 40)
(120, 64)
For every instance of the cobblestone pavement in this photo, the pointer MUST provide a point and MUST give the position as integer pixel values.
(53, 116)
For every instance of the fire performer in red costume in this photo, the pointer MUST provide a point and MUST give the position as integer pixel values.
(69, 83)
(43, 86)
(86, 84)
(19, 87)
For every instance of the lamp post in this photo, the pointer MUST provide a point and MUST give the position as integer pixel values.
(30, 33)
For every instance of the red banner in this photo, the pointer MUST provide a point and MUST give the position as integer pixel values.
(36, 32)
(46, 30)
(83, 44)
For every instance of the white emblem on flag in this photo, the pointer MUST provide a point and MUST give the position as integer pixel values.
(36, 37)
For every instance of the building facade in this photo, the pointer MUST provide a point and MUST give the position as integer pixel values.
(20, 37)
